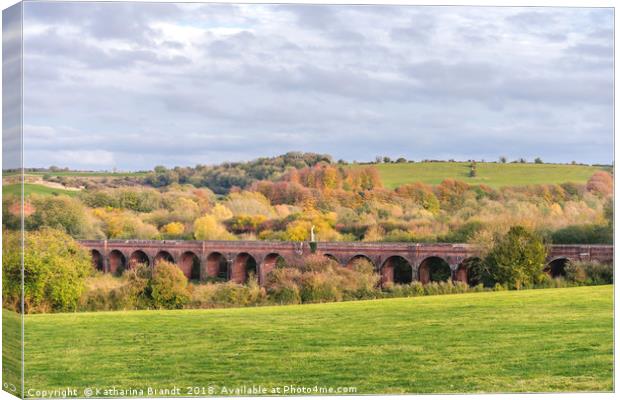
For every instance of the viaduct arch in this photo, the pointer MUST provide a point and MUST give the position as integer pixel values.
(238, 260)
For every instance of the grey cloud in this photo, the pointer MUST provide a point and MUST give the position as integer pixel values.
(531, 19)
(51, 44)
(313, 16)
(336, 79)
(326, 20)
(233, 46)
(420, 29)
(127, 21)
(490, 85)
(593, 50)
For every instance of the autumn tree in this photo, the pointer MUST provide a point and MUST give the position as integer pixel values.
(54, 266)
(168, 286)
(600, 183)
(61, 212)
(124, 224)
(221, 212)
(451, 194)
(517, 258)
(208, 227)
(421, 194)
(173, 230)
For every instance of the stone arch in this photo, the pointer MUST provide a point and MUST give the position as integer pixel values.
(190, 265)
(97, 260)
(465, 272)
(396, 269)
(243, 267)
(270, 262)
(274, 260)
(331, 257)
(217, 266)
(434, 269)
(138, 257)
(359, 257)
(557, 267)
(163, 255)
(118, 262)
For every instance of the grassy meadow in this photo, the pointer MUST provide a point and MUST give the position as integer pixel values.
(514, 341)
(33, 188)
(494, 175)
(11, 350)
(87, 174)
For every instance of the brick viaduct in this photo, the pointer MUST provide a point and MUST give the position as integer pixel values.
(235, 260)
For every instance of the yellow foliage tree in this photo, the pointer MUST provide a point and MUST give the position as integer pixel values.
(173, 229)
(208, 227)
(221, 212)
(298, 231)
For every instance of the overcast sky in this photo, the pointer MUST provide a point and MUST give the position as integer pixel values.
(134, 85)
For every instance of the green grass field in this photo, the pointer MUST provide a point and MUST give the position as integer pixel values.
(90, 174)
(515, 341)
(32, 188)
(494, 175)
(11, 351)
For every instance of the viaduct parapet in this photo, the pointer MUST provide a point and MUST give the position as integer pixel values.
(236, 260)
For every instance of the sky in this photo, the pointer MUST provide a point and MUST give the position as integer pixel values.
(134, 85)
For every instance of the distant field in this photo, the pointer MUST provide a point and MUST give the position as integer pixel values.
(30, 188)
(494, 175)
(88, 174)
(515, 341)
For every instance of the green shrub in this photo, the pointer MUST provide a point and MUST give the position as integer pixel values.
(478, 288)
(517, 259)
(55, 268)
(584, 234)
(168, 286)
(283, 285)
(498, 287)
(432, 288)
(321, 279)
(62, 213)
(101, 293)
(231, 294)
(463, 233)
(137, 291)
(412, 289)
(202, 295)
(589, 272)
(318, 288)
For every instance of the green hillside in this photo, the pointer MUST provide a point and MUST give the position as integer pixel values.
(88, 174)
(32, 188)
(514, 341)
(492, 174)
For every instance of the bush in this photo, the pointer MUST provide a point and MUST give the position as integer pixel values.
(229, 294)
(584, 234)
(59, 212)
(517, 259)
(549, 282)
(102, 294)
(168, 286)
(601, 183)
(463, 233)
(137, 291)
(55, 269)
(416, 288)
(589, 272)
(283, 285)
(321, 279)
(318, 288)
